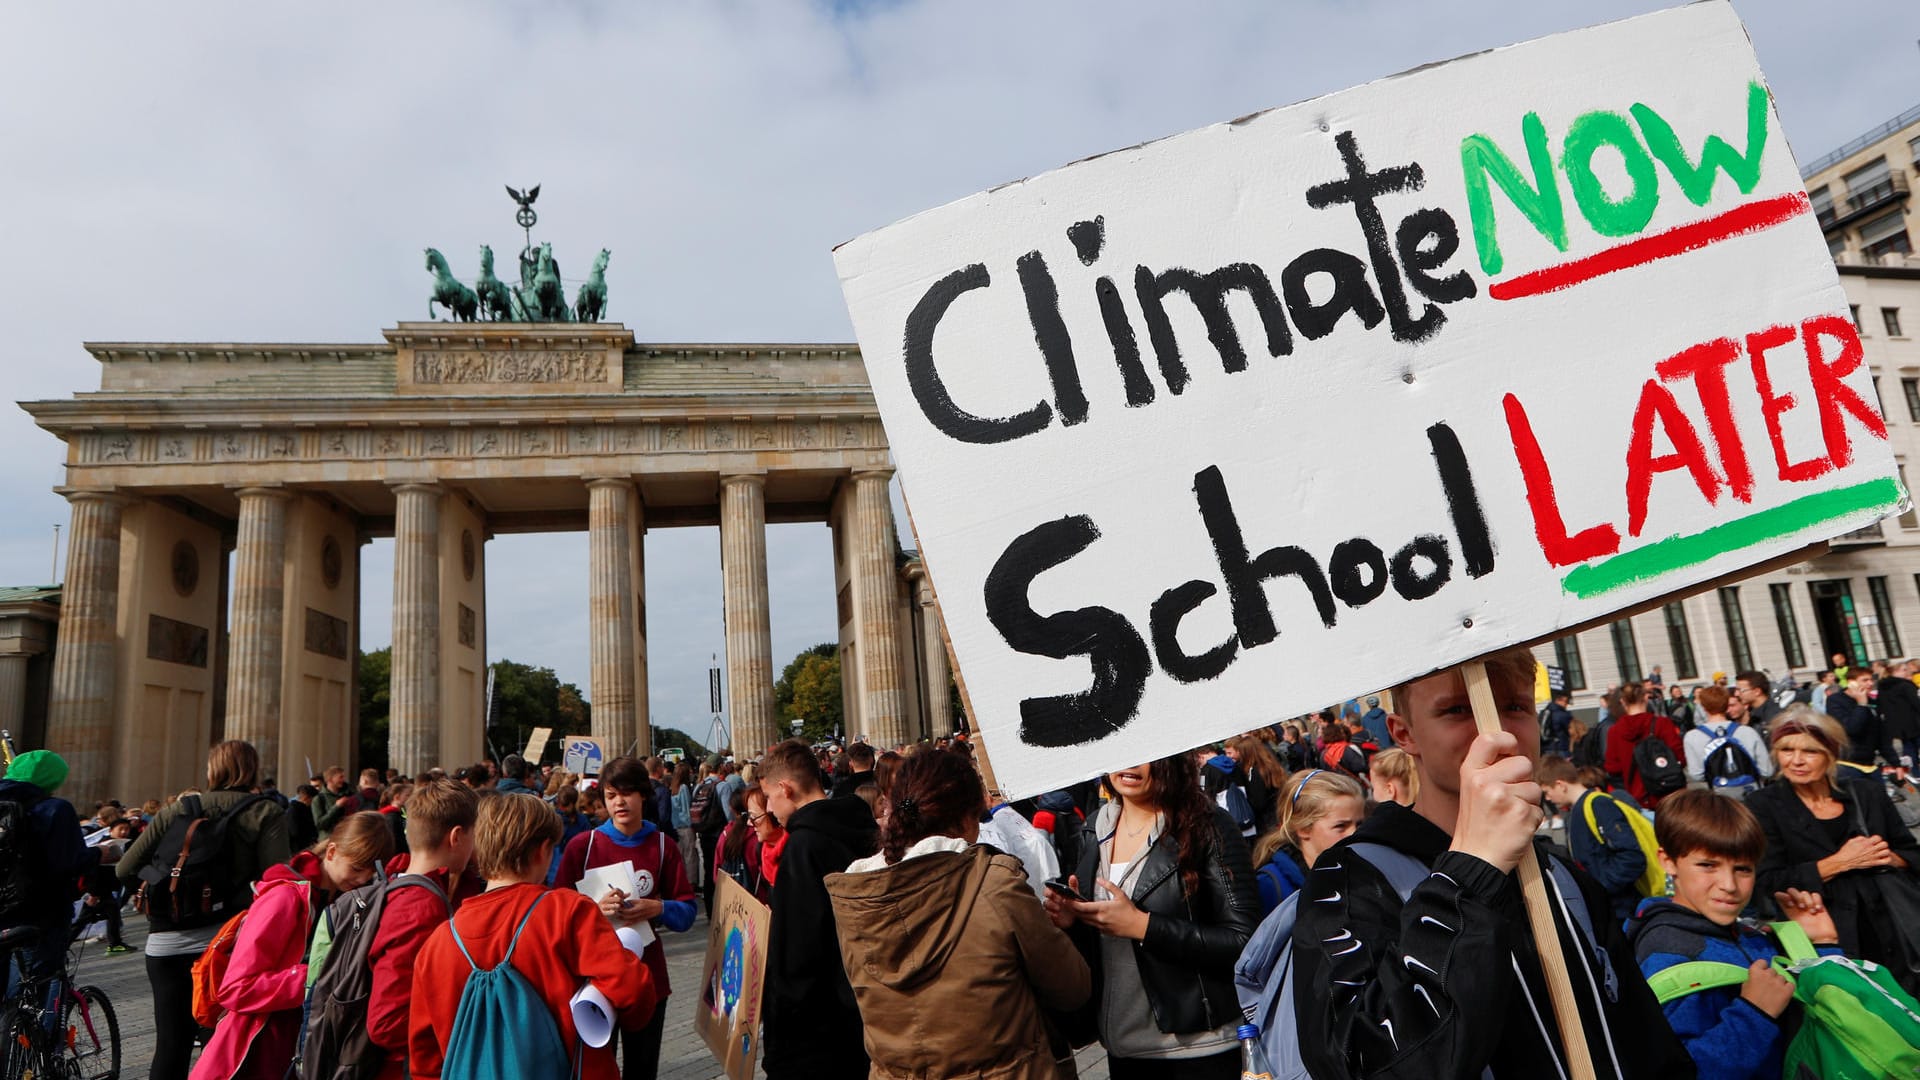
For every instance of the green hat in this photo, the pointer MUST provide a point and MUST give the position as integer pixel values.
(43, 769)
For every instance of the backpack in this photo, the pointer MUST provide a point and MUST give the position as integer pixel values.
(1234, 802)
(1652, 880)
(1591, 750)
(23, 870)
(187, 884)
(337, 1045)
(1727, 762)
(1351, 761)
(502, 1028)
(1662, 772)
(1856, 1021)
(702, 810)
(210, 970)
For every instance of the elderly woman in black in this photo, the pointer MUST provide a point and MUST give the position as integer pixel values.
(1174, 905)
(1832, 830)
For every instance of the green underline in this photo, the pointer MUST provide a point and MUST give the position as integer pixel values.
(1677, 552)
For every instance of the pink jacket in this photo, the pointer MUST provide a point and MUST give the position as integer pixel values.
(266, 981)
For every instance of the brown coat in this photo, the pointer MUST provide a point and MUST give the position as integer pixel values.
(952, 957)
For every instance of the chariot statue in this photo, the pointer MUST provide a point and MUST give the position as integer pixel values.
(540, 295)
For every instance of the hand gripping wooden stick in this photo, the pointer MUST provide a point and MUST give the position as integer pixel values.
(1533, 894)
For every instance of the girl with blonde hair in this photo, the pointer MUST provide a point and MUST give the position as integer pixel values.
(1322, 807)
(1393, 777)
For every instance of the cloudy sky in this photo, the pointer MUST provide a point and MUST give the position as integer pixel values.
(266, 172)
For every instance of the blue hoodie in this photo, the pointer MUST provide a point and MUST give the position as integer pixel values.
(56, 827)
(1727, 1037)
(678, 914)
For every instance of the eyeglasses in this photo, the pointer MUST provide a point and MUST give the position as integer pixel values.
(755, 819)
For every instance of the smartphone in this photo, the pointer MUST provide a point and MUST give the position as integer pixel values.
(1060, 886)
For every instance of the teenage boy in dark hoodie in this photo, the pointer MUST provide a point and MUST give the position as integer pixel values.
(665, 897)
(1710, 846)
(1447, 982)
(811, 1022)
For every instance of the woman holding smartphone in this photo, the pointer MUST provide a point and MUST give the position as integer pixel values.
(1172, 904)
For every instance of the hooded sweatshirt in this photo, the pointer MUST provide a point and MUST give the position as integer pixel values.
(952, 930)
(56, 829)
(1448, 981)
(1726, 1035)
(811, 1027)
(658, 866)
(266, 980)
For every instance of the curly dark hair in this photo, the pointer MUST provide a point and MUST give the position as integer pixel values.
(934, 793)
(1174, 787)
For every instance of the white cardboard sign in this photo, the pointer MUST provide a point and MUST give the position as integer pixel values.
(1211, 431)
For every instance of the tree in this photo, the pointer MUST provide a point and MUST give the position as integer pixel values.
(376, 692)
(783, 687)
(813, 694)
(665, 737)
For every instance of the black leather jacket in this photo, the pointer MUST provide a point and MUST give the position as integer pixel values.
(1192, 942)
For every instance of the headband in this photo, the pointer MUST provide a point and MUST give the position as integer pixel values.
(1302, 786)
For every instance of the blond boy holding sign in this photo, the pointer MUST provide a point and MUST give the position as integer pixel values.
(1412, 954)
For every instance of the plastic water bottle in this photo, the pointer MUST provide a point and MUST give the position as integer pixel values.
(1253, 1060)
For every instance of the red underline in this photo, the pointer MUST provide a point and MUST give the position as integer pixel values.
(1739, 221)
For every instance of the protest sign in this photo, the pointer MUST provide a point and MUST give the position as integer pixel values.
(728, 1015)
(537, 745)
(582, 755)
(1218, 428)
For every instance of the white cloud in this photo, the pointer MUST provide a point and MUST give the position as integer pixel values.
(270, 173)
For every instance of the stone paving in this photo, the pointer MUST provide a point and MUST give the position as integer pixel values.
(683, 1056)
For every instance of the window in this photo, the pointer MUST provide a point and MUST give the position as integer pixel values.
(1907, 518)
(1886, 234)
(1891, 316)
(1822, 200)
(1681, 641)
(1626, 654)
(1736, 628)
(1789, 626)
(1566, 656)
(1855, 309)
(1883, 617)
(1911, 388)
(1864, 179)
(1877, 398)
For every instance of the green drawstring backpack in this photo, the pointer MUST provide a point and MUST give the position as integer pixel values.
(1857, 1023)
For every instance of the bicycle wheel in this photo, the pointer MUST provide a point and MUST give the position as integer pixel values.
(15, 1050)
(92, 1035)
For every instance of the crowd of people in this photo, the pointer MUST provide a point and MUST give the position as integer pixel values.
(1346, 882)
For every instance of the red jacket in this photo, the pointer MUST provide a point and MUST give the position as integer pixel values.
(266, 980)
(662, 872)
(1626, 732)
(410, 918)
(567, 941)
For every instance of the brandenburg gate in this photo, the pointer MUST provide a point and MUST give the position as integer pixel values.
(293, 456)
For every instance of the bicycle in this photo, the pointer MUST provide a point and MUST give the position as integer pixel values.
(80, 1040)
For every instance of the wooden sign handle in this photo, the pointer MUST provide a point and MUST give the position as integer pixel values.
(1533, 895)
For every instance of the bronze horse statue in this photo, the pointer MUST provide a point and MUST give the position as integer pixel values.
(448, 292)
(592, 302)
(495, 302)
(550, 297)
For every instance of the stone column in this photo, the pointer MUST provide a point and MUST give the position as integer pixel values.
(610, 610)
(80, 701)
(413, 734)
(13, 691)
(935, 671)
(883, 710)
(743, 575)
(259, 602)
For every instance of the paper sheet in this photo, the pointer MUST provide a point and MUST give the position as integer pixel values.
(596, 881)
(592, 1016)
(636, 938)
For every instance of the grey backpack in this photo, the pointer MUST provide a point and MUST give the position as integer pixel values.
(337, 1044)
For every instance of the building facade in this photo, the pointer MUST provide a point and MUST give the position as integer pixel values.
(1861, 192)
(291, 457)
